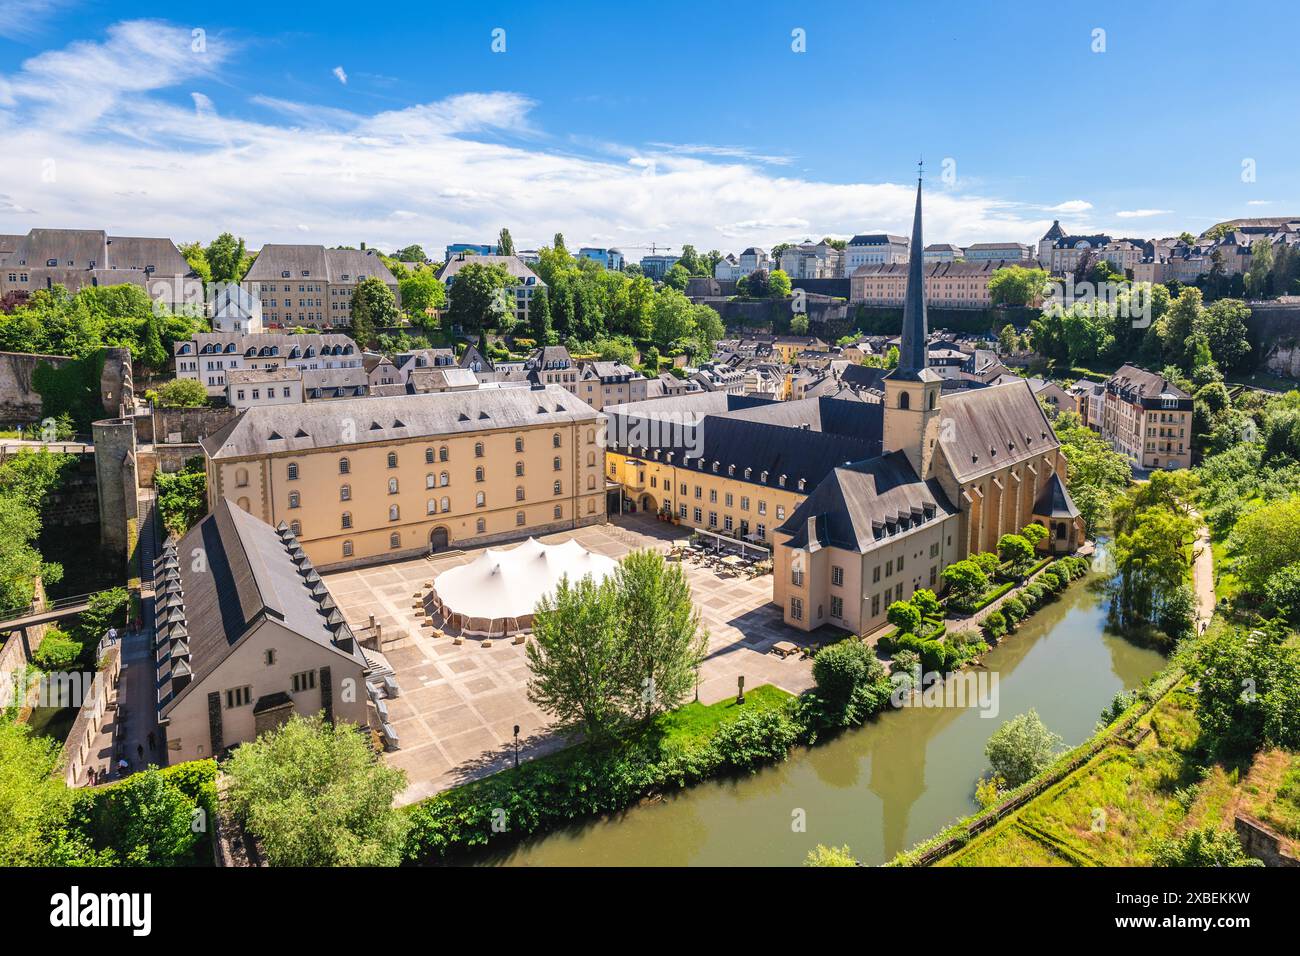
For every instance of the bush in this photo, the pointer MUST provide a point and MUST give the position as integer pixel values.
(904, 616)
(1204, 847)
(1014, 609)
(851, 682)
(754, 738)
(1021, 748)
(923, 600)
(183, 393)
(994, 626)
(58, 652)
(1282, 590)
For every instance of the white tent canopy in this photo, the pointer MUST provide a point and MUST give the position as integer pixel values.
(499, 590)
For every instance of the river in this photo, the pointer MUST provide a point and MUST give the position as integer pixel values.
(881, 788)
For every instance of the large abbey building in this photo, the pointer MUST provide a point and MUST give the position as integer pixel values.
(955, 473)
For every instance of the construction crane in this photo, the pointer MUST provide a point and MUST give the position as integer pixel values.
(654, 247)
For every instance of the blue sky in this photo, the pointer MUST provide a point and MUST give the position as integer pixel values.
(629, 124)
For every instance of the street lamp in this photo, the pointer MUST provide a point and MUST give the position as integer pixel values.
(516, 746)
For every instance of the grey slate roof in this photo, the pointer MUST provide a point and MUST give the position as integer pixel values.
(858, 505)
(247, 575)
(275, 428)
(317, 263)
(1054, 500)
(987, 428)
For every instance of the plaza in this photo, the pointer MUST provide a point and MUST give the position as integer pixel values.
(459, 703)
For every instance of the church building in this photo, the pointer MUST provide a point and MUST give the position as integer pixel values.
(955, 473)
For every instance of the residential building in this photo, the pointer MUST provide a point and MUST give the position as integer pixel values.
(86, 258)
(1060, 253)
(809, 260)
(717, 377)
(610, 383)
(730, 268)
(312, 286)
(235, 309)
(1148, 419)
(1017, 252)
(376, 479)
(657, 266)
(246, 638)
(610, 259)
(872, 250)
(524, 281)
(948, 285)
(209, 356)
(1090, 402)
(247, 387)
(941, 252)
(958, 468)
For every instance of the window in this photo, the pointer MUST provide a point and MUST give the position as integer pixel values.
(875, 604)
(519, 518)
(444, 504)
(556, 464)
(889, 567)
(837, 577)
(837, 607)
(241, 477)
(519, 444)
(394, 513)
(480, 500)
(269, 658)
(555, 440)
(304, 681)
(347, 519)
(480, 526)
(295, 526)
(727, 522)
(294, 499)
(796, 609)
(875, 574)
(292, 470)
(478, 449)
(443, 480)
(345, 493)
(796, 577)
(392, 486)
(442, 453)
(519, 469)
(395, 540)
(430, 481)
(559, 488)
(239, 697)
(699, 516)
(345, 466)
(519, 493)
(392, 459)
(428, 456)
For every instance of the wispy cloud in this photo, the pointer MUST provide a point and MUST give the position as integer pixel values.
(457, 168)
(23, 19)
(340, 74)
(1141, 213)
(1072, 206)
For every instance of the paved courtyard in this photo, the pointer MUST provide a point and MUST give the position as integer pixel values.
(460, 703)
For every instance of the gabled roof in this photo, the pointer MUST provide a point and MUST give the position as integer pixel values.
(862, 504)
(989, 428)
(1054, 501)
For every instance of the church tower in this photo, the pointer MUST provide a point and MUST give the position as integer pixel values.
(912, 390)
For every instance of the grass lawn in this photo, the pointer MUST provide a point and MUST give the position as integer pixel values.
(697, 722)
(1226, 584)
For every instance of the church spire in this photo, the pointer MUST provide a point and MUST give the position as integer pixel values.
(912, 351)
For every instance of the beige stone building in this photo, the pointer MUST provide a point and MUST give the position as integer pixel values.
(247, 635)
(1148, 419)
(948, 285)
(958, 471)
(370, 480)
(312, 286)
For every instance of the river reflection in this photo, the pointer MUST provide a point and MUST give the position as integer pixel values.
(881, 788)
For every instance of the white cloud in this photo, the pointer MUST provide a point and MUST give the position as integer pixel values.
(1071, 206)
(340, 74)
(1259, 202)
(455, 169)
(1141, 213)
(21, 19)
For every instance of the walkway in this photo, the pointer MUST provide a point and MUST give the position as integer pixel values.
(1203, 577)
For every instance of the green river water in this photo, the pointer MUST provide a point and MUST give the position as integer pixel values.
(883, 787)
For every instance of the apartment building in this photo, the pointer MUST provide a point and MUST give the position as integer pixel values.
(949, 285)
(524, 281)
(657, 266)
(874, 249)
(609, 259)
(730, 268)
(312, 286)
(941, 252)
(1061, 255)
(247, 638)
(809, 260)
(248, 387)
(1008, 251)
(82, 258)
(1148, 419)
(377, 479)
(210, 356)
(610, 383)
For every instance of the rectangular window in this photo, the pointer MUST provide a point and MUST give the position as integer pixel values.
(796, 577)
(875, 574)
(239, 697)
(875, 604)
(796, 609)
(837, 576)
(304, 681)
(837, 607)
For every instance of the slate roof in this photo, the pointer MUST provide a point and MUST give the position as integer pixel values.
(512, 264)
(988, 428)
(248, 575)
(76, 249)
(860, 505)
(317, 263)
(263, 430)
(1054, 500)
(1133, 383)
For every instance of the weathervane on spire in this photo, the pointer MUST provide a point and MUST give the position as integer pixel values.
(920, 168)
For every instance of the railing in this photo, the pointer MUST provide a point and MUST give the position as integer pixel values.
(55, 606)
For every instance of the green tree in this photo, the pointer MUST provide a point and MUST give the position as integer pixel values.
(1223, 323)
(1017, 285)
(35, 804)
(477, 297)
(580, 664)
(148, 819)
(422, 294)
(851, 681)
(778, 285)
(505, 245)
(923, 600)
(182, 393)
(315, 794)
(676, 277)
(539, 317)
(966, 581)
(662, 629)
(373, 306)
(1016, 550)
(1266, 540)
(904, 616)
(182, 496)
(413, 253)
(1021, 748)
(799, 325)
(227, 258)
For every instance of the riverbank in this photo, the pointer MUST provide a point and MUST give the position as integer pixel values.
(881, 786)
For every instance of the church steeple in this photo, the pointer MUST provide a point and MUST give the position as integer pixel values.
(913, 390)
(912, 350)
